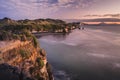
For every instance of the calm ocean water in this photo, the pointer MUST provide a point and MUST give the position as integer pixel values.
(90, 54)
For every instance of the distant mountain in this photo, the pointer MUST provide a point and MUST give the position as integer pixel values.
(102, 20)
(94, 20)
(102, 24)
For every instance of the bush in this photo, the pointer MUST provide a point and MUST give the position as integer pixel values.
(4, 35)
(38, 77)
(40, 62)
(24, 53)
(16, 37)
(23, 38)
(27, 33)
(35, 42)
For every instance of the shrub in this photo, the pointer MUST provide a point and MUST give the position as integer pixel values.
(24, 53)
(35, 42)
(23, 38)
(38, 77)
(16, 37)
(40, 62)
(4, 35)
(27, 33)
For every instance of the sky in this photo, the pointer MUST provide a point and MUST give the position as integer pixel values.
(59, 9)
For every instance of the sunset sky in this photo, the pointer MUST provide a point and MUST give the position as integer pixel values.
(62, 9)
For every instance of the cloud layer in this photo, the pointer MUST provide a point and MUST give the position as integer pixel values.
(105, 15)
(39, 8)
(21, 9)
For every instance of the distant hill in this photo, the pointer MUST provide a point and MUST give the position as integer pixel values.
(94, 20)
(34, 23)
(102, 20)
(7, 21)
(37, 25)
(102, 24)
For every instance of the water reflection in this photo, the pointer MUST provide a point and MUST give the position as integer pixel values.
(84, 55)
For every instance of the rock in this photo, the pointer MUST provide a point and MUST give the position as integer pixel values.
(43, 52)
(8, 72)
(17, 67)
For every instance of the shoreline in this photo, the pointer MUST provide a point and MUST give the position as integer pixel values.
(40, 34)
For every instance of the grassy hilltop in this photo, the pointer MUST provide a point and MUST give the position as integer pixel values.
(21, 29)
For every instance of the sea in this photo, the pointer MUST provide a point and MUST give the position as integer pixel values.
(89, 54)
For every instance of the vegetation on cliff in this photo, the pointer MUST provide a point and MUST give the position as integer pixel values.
(39, 25)
(24, 59)
(18, 27)
(24, 62)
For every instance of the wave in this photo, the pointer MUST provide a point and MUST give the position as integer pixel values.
(58, 42)
(61, 75)
(101, 55)
(116, 65)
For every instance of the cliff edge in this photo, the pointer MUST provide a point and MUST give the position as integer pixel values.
(22, 60)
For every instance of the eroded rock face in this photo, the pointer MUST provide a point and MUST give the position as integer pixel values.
(24, 62)
(8, 72)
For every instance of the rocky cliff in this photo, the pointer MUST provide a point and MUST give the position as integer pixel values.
(21, 60)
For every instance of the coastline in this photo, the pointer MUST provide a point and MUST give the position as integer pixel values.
(40, 34)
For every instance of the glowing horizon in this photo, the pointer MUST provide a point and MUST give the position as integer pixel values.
(101, 22)
(61, 9)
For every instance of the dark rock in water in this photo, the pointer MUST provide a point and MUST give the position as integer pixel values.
(49, 71)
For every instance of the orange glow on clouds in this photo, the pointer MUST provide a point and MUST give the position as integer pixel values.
(100, 22)
(112, 22)
(92, 22)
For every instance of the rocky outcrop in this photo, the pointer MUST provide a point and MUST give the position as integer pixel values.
(24, 61)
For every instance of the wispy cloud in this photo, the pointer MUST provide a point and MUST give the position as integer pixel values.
(105, 15)
(39, 8)
(63, 3)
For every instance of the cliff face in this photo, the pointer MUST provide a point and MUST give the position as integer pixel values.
(24, 61)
